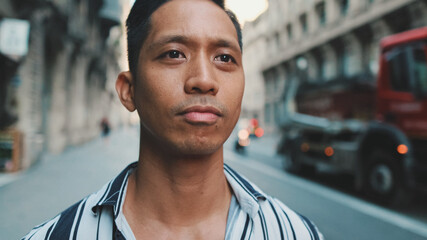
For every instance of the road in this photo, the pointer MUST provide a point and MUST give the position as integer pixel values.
(58, 181)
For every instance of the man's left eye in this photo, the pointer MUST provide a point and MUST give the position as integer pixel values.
(225, 58)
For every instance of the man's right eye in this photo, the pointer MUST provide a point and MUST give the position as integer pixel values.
(173, 54)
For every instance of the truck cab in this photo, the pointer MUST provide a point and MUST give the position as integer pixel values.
(402, 82)
(375, 131)
(402, 97)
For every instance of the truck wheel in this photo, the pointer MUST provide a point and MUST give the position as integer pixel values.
(384, 180)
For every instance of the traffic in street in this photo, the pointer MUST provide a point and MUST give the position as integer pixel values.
(339, 211)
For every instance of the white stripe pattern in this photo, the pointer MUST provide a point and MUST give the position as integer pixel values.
(256, 215)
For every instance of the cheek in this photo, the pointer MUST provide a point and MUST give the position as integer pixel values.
(236, 91)
(157, 89)
(239, 95)
(234, 95)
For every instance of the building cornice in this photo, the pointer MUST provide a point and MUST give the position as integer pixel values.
(332, 31)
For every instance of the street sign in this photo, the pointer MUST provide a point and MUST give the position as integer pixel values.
(14, 34)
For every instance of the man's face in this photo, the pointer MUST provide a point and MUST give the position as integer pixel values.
(190, 79)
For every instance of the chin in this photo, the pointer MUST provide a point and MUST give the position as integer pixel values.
(197, 147)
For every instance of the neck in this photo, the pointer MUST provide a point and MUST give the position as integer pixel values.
(177, 191)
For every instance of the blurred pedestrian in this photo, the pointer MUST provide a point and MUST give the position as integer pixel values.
(105, 127)
(186, 82)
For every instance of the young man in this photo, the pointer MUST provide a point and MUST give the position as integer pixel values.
(186, 81)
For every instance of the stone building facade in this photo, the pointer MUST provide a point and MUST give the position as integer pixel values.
(56, 95)
(317, 41)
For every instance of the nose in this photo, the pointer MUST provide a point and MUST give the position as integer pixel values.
(201, 77)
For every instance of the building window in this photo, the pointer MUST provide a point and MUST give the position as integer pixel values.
(321, 13)
(270, 83)
(267, 113)
(289, 31)
(276, 81)
(277, 113)
(346, 62)
(269, 46)
(303, 21)
(277, 40)
(344, 6)
(322, 71)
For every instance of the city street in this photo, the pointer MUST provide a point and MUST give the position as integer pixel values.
(340, 86)
(31, 197)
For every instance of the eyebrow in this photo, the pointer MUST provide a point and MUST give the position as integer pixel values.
(169, 39)
(220, 42)
(226, 44)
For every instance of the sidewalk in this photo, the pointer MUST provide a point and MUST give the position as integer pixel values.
(57, 181)
(6, 178)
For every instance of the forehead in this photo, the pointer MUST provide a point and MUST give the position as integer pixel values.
(192, 18)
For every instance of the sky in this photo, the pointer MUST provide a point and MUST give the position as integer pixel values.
(246, 10)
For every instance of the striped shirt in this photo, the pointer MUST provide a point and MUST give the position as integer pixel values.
(252, 215)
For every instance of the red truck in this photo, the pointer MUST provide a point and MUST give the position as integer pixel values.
(377, 132)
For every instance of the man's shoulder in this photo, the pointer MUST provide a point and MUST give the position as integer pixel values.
(272, 218)
(61, 226)
(79, 221)
(273, 212)
(82, 218)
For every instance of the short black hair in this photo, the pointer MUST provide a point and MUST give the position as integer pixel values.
(138, 27)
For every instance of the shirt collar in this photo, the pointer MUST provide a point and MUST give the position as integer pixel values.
(113, 195)
(247, 194)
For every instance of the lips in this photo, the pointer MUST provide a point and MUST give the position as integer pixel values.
(201, 115)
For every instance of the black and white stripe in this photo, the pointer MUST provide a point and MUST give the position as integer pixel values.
(257, 216)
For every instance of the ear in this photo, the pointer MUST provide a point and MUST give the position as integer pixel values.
(124, 88)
